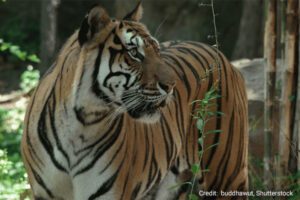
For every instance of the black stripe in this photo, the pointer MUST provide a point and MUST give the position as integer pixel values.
(222, 168)
(179, 74)
(225, 75)
(179, 113)
(106, 186)
(240, 158)
(81, 159)
(95, 84)
(191, 133)
(54, 131)
(196, 55)
(153, 168)
(114, 156)
(62, 69)
(146, 147)
(218, 126)
(121, 25)
(38, 179)
(125, 184)
(168, 145)
(174, 170)
(33, 158)
(103, 148)
(172, 143)
(112, 74)
(185, 79)
(42, 133)
(136, 191)
(105, 135)
(28, 139)
(189, 65)
(204, 48)
(81, 116)
(191, 52)
(113, 53)
(117, 40)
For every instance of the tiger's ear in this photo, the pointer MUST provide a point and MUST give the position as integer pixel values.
(136, 14)
(93, 23)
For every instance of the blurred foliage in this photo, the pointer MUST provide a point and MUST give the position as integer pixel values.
(17, 52)
(20, 23)
(29, 79)
(167, 20)
(12, 173)
(13, 178)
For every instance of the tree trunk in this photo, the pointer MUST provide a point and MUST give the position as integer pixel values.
(288, 144)
(48, 32)
(249, 42)
(270, 89)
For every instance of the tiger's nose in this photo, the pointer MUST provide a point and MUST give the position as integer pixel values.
(165, 88)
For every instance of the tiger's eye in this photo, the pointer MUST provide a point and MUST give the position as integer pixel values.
(133, 52)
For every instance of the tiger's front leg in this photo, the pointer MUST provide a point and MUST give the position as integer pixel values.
(175, 186)
(47, 182)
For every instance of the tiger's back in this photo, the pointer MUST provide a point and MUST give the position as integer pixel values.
(225, 160)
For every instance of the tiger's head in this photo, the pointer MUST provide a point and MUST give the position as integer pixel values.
(129, 73)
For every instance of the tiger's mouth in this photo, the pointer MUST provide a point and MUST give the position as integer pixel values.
(145, 109)
(145, 105)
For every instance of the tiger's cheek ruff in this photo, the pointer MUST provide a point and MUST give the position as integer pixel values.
(115, 75)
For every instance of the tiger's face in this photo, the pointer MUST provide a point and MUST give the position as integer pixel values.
(130, 74)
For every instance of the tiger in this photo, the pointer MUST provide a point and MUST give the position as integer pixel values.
(112, 117)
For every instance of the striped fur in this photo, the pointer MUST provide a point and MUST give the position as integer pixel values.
(83, 139)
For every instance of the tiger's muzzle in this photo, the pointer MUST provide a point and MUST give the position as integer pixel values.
(148, 101)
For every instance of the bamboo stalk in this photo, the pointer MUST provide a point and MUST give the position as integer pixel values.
(270, 88)
(289, 90)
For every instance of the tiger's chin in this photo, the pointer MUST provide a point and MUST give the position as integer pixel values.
(148, 113)
(147, 117)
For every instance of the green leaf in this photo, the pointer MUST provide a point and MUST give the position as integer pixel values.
(21, 55)
(195, 168)
(200, 154)
(209, 113)
(204, 102)
(200, 124)
(214, 97)
(34, 58)
(193, 197)
(4, 46)
(14, 48)
(200, 141)
(211, 146)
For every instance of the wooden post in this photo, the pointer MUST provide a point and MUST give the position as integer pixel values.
(287, 145)
(270, 89)
(297, 118)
